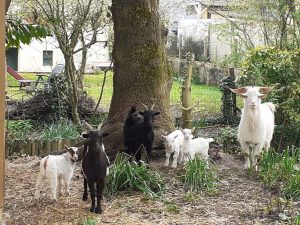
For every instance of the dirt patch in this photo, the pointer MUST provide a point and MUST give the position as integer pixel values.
(241, 199)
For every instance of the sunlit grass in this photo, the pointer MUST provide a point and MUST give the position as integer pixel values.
(206, 98)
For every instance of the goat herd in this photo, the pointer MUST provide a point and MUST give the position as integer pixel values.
(255, 130)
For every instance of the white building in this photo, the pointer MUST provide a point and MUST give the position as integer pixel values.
(42, 56)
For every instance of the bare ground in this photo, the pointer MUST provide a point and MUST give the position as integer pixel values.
(241, 200)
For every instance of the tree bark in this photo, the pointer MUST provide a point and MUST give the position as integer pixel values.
(7, 3)
(141, 72)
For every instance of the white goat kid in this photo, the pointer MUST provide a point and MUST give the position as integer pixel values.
(58, 169)
(197, 146)
(257, 123)
(173, 143)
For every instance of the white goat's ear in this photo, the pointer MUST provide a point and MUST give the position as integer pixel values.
(262, 96)
(265, 90)
(193, 129)
(240, 91)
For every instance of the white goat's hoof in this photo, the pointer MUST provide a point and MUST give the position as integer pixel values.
(174, 166)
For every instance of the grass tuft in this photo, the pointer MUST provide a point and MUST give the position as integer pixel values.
(279, 171)
(128, 176)
(199, 177)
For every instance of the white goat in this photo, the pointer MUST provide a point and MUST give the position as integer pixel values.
(197, 146)
(257, 122)
(173, 143)
(58, 169)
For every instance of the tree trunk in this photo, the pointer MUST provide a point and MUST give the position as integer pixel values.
(141, 72)
(73, 94)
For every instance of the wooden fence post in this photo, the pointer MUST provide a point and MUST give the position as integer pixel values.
(2, 104)
(186, 93)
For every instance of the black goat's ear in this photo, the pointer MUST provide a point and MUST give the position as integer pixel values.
(85, 135)
(105, 134)
(141, 113)
(156, 113)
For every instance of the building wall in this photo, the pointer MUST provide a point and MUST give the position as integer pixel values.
(30, 57)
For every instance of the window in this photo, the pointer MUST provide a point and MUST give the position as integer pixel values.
(191, 9)
(47, 58)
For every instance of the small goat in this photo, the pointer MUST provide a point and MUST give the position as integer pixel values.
(173, 143)
(138, 131)
(58, 169)
(95, 166)
(197, 146)
(257, 122)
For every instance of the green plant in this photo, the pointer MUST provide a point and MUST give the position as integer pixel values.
(199, 177)
(19, 129)
(297, 220)
(60, 130)
(227, 138)
(172, 207)
(279, 68)
(97, 119)
(128, 176)
(277, 170)
(89, 221)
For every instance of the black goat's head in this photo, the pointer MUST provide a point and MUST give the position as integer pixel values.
(149, 115)
(94, 137)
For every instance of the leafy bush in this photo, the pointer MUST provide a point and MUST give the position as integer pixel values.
(128, 176)
(198, 176)
(281, 171)
(270, 66)
(60, 130)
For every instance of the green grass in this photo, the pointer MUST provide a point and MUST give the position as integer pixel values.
(206, 99)
(279, 171)
(199, 177)
(128, 176)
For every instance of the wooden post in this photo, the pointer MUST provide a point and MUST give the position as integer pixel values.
(2, 102)
(186, 93)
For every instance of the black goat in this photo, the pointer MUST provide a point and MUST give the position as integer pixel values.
(138, 131)
(95, 165)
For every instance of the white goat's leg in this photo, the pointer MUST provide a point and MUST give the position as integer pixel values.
(167, 158)
(38, 186)
(53, 186)
(60, 186)
(180, 159)
(246, 153)
(68, 182)
(256, 152)
(175, 157)
(267, 146)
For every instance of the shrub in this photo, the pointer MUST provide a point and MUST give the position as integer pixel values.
(198, 176)
(270, 66)
(128, 176)
(279, 171)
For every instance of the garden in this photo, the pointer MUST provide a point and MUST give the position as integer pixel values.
(233, 137)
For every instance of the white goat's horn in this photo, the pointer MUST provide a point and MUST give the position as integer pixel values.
(152, 107)
(88, 126)
(144, 106)
(99, 126)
